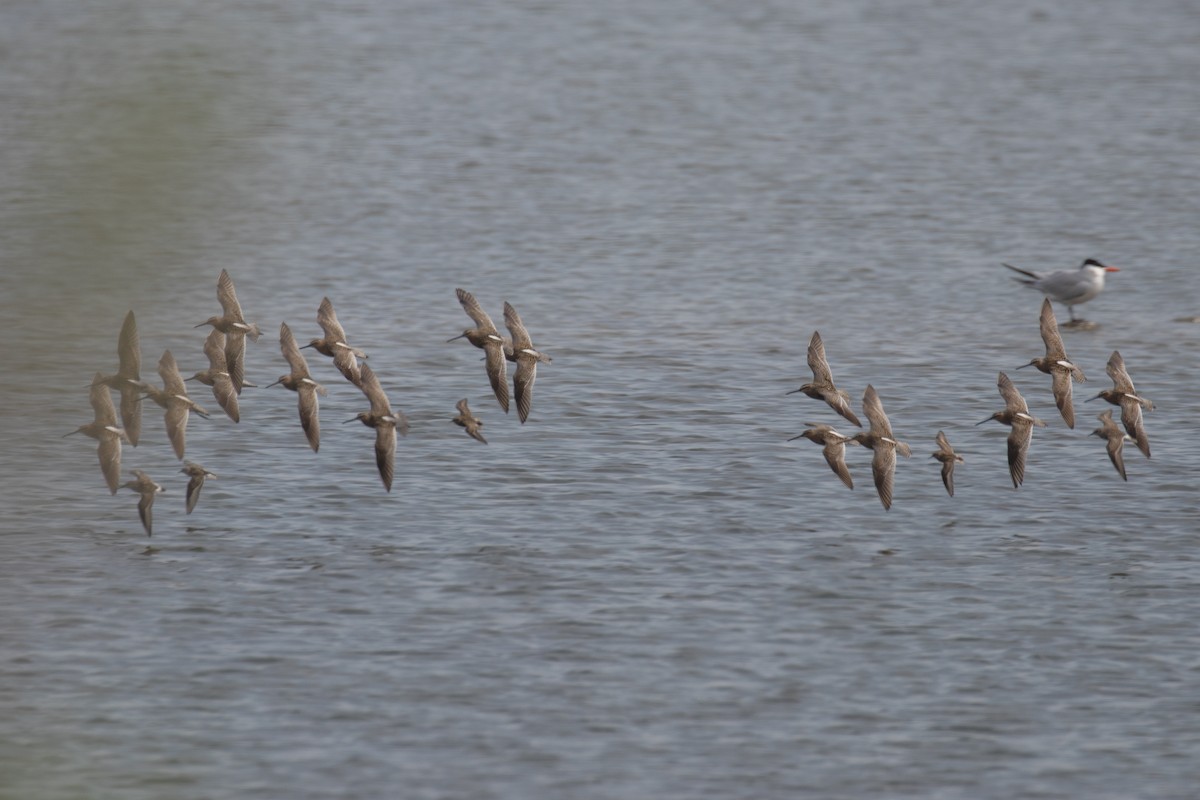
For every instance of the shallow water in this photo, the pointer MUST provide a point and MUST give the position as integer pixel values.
(645, 591)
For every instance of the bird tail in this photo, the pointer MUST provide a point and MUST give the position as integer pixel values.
(1030, 280)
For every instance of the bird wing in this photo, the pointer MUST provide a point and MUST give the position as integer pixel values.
(1018, 446)
(306, 394)
(873, 408)
(129, 350)
(144, 510)
(948, 475)
(1061, 386)
(102, 404)
(497, 372)
(327, 319)
(374, 391)
(1013, 400)
(1120, 377)
(193, 489)
(817, 361)
(168, 370)
(131, 411)
(1050, 334)
(385, 452)
(475, 311)
(883, 469)
(520, 336)
(835, 455)
(176, 418)
(109, 452)
(943, 443)
(1116, 444)
(523, 379)
(1131, 418)
(225, 395)
(214, 348)
(463, 408)
(235, 359)
(227, 297)
(291, 351)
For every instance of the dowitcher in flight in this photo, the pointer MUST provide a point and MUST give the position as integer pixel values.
(1016, 415)
(385, 422)
(128, 379)
(300, 382)
(147, 489)
(334, 344)
(233, 324)
(174, 398)
(104, 429)
(1115, 439)
(822, 387)
(945, 454)
(526, 357)
(833, 448)
(469, 421)
(217, 375)
(882, 441)
(486, 337)
(1124, 395)
(196, 475)
(1056, 364)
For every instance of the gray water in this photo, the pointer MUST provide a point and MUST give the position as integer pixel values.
(645, 591)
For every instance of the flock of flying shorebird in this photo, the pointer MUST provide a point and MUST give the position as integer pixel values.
(1070, 287)
(226, 348)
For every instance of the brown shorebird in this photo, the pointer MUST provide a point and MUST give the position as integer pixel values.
(822, 387)
(834, 448)
(1070, 287)
(196, 475)
(128, 380)
(233, 324)
(300, 382)
(469, 421)
(217, 375)
(334, 344)
(884, 444)
(945, 454)
(486, 337)
(526, 357)
(385, 422)
(1124, 395)
(104, 429)
(1115, 438)
(1056, 364)
(1016, 415)
(173, 397)
(147, 489)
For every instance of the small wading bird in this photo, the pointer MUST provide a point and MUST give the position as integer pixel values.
(1056, 364)
(884, 444)
(173, 397)
(217, 375)
(1124, 395)
(1016, 415)
(1115, 439)
(334, 344)
(486, 337)
(526, 357)
(196, 475)
(469, 421)
(300, 382)
(833, 448)
(821, 387)
(385, 422)
(104, 430)
(147, 489)
(945, 454)
(233, 324)
(1071, 287)
(127, 379)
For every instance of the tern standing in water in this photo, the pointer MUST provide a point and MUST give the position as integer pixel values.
(1071, 287)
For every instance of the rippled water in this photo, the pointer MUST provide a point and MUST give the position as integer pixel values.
(645, 591)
